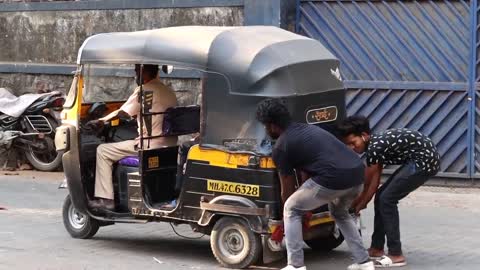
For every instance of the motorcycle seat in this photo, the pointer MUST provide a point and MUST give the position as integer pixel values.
(4, 116)
(129, 161)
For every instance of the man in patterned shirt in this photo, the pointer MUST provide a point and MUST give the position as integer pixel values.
(419, 161)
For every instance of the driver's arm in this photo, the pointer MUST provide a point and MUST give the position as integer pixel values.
(130, 108)
(115, 114)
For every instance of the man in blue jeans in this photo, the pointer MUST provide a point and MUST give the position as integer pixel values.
(336, 177)
(419, 161)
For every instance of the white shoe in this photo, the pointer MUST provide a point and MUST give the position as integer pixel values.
(291, 267)
(363, 266)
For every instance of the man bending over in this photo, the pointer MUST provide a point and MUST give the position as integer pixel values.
(336, 178)
(419, 161)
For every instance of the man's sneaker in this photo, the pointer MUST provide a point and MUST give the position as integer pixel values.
(363, 266)
(291, 267)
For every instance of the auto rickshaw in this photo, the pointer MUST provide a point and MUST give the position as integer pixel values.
(229, 187)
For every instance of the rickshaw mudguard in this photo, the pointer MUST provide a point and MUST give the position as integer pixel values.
(269, 255)
(73, 174)
(228, 205)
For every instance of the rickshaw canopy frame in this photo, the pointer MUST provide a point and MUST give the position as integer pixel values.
(257, 60)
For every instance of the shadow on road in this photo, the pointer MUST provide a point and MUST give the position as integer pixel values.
(162, 248)
(199, 251)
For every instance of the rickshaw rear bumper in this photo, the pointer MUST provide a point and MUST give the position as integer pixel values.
(319, 225)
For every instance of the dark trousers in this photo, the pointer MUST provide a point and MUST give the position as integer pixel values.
(387, 222)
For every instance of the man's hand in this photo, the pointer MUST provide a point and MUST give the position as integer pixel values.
(359, 203)
(359, 206)
(372, 181)
(95, 126)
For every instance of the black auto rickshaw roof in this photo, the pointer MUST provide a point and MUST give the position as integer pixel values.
(257, 60)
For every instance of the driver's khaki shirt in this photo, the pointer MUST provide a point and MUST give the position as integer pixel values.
(163, 98)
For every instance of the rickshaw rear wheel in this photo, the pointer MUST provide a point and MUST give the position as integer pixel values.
(234, 244)
(78, 225)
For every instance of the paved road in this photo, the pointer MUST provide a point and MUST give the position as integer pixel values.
(439, 230)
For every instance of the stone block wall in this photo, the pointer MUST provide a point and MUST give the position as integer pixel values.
(54, 37)
(40, 38)
(51, 38)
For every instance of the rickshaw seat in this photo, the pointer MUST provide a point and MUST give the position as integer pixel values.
(181, 120)
(129, 161)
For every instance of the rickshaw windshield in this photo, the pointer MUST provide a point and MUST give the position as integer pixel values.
(227, 121)
(107, 83)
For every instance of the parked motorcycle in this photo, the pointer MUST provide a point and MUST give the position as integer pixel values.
(28, 123)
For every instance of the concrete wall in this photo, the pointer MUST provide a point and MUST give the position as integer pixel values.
(42, 37)
(39, 39)
(20, 83)
(54, 37)
(39, 47)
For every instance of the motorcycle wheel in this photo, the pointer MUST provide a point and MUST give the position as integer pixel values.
(46, 160)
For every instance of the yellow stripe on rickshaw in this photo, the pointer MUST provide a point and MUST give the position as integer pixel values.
(225, 159)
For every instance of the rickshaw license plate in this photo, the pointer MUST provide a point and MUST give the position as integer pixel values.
(233, 188)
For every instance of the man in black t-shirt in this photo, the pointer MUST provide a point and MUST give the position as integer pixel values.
(419, 161)
(336, 177)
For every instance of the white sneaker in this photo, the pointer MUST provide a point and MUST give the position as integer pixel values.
(363, 266)
(291, 267)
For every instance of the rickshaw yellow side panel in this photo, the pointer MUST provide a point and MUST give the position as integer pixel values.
(70, 115)
(225, 159)
(315, 221)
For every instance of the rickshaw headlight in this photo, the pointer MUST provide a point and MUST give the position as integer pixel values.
(62, 139)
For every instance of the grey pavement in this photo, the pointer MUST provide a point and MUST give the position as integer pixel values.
(439, 231)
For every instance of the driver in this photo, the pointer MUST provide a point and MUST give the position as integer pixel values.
(109, 153)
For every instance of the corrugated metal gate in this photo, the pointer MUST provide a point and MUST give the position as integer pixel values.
(407, 64)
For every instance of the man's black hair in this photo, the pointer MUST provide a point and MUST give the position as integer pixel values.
(356, 125)
(273, 111)
(151, 70)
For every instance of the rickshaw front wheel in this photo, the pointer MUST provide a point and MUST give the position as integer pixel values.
(78, 225)
(234, 244)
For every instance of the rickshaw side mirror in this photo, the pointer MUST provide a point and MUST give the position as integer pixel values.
(167, 69)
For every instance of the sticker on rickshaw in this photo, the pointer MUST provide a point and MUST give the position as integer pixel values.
(322, 115)
(233, 188)
(153, 162)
